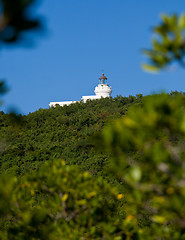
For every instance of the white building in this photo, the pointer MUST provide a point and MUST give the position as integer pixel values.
(102, 91)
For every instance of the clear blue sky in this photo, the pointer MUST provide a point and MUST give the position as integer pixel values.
(84, 37)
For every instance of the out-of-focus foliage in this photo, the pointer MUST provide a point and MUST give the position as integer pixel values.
(15, 19)
(148, 153)
(168, 43)
(59, 202)
(3, 89)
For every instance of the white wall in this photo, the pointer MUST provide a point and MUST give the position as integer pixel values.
(53, 104)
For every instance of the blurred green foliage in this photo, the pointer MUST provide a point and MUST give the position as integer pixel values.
(59, 202)
(3, 89)
(15, 19)
(148, 154)
(168, 44)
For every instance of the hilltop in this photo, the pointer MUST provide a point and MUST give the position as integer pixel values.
(59, 133)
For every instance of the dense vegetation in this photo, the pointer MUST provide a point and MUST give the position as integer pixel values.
(50, 135)
(133, 149)
(58, 133)
(144, 158)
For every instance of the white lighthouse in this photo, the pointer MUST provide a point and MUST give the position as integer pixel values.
(102, 91)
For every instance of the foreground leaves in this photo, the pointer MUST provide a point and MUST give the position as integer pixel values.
(168, 45)
(59, 202)
(16, 19)
(147, 150)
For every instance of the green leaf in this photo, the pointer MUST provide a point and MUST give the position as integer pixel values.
(136, 173)
(181, 21)
(150, 68)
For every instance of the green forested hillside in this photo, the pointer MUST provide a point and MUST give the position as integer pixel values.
(58, 133)
(136, 143)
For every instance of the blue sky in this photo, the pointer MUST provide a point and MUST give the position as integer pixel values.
(82, 38)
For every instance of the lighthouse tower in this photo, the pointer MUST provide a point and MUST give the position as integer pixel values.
(103, 89)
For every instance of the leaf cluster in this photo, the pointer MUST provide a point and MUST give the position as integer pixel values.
(168, 45)
(16, 19)
(59, 202)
